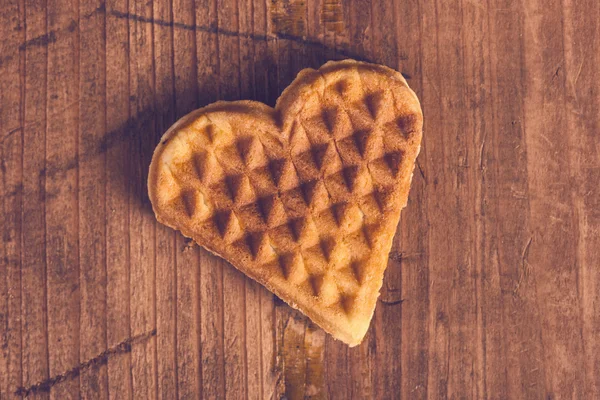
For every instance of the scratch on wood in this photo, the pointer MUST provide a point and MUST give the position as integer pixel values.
(433, 86)
(40, 41)
(9, 134)
(481, 148)
(395, 255)
(36, 121)
(556, 73)
(574, 83)
(421, 172)
(398, 256)
(100, 359)
(518, 195)
(578, 73)
(523, 266)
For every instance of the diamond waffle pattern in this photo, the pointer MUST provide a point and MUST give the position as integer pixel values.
(307, 211)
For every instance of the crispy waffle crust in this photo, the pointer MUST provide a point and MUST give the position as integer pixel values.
(304, 198)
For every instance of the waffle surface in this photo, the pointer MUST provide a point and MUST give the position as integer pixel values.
(304, 198)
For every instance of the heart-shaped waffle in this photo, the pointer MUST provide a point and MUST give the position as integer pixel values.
(304, 198)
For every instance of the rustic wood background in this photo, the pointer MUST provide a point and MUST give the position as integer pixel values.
(493, 287)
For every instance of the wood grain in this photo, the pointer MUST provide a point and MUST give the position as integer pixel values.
(11, 187)
(167, 368)
(34, 314)
(492, 288)
(116, 147)
(142, 228)
(92, 199)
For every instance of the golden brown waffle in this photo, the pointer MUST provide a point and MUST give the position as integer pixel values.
(304, 198)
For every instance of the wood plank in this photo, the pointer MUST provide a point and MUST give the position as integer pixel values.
(11, 178)
(289, 325)
(234, 282)
(359, 43)
(213, 365)
(271, 373)
(62, 203)
(453, 269)
(552, 211)
(117, 145)
(486, 294)
(262, 64)
(253, 348)
(189, 370)
(412, 235)
(449, 263)
(166, 274)
(92, 198)
(385, 345)
(207, 48)
(520, 322)
(187, 256)
(289, 22)
(142, 224)
(211, 273)
(246, 52)
(314, 344)
(582, 50)
(462, 314)
(292, 330)
(318, 48)
(33, 258)
(522, 336)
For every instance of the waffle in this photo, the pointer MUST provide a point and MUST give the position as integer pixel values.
(304, 198)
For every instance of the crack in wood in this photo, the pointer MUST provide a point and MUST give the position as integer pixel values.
(100, 359)
(391, 302)
(39, 41)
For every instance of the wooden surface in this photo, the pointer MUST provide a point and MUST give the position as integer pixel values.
(493, 285)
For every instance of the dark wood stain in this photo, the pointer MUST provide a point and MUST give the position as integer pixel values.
(492, 286)
(288, 17)
(332, 16)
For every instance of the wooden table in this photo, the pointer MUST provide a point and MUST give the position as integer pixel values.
(493, 285)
